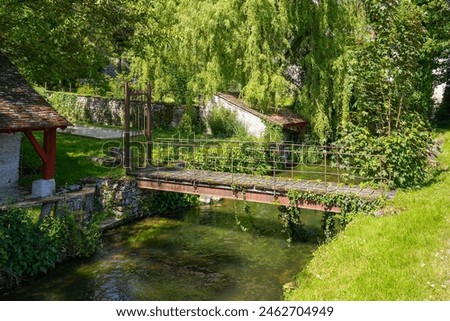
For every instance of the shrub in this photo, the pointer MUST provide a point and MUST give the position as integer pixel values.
(67, 105)
(191, 121)
(272, 133)
(28, 247)
(404, 153)
(224, 123)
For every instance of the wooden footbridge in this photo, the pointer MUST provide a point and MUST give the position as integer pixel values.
(261, 172)
(260, 189)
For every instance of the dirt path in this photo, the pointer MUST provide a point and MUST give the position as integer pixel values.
(95, 132)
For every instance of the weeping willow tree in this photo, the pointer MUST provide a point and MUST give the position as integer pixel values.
(357, 62)
(324, 32)
(206, 46)
(363, 65)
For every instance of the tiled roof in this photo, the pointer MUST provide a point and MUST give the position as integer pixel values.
(282, 117)
(21, 107)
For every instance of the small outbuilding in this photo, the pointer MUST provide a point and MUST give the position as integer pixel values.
(23, 110)
(255, 122)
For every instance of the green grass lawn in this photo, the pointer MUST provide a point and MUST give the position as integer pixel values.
(74, 154)
(405, 256)
(73, 160)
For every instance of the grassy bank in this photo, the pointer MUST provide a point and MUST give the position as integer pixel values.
(405, 256)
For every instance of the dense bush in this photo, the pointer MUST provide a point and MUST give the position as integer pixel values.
(272, 133)
(224, 123)
(191, 122)
(404, 153)
(28, 247)
(234, 157)
(66, 104)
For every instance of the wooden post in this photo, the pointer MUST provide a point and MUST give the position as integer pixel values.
(48, 168)
(126, 136)
(148, 126)
(47, 153)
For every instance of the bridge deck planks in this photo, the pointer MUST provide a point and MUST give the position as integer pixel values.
(275, 185)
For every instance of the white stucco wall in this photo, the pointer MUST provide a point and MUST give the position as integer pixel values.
(438, 94)
(252, 123)
(9, 159)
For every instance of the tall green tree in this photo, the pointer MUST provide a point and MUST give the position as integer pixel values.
(388, 69)
(58, 41)
(211, 45)
(320, 49)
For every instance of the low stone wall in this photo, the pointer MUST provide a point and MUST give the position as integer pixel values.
(108, 111)
(121, 198)
(81, 201)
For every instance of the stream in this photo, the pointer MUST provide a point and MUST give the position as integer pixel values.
(196, 254)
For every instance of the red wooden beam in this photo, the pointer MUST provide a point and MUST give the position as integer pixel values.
(250, 195)
(48, 167)
(36, 146)
(47, 153)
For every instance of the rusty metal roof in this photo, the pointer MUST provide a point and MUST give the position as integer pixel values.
(21, 107)
(285, 117)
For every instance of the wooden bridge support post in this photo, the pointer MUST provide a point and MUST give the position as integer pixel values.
(126, 136)
(148, 126)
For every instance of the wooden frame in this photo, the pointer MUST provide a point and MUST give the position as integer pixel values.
(47, 152)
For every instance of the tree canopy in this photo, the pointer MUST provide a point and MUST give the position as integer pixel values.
(369, 63)
(58, 41)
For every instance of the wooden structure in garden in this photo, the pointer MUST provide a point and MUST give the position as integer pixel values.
(22, 109)
(292, 125)
(283, 117)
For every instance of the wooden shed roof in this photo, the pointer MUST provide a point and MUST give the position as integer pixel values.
(21, 107)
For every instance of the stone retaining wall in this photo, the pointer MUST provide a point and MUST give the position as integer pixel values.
(108, 111)
(121, 198)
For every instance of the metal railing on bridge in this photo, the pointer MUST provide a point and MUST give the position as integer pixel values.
(275, 159)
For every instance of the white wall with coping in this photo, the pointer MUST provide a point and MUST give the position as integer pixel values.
(9, 159)
(252, 123)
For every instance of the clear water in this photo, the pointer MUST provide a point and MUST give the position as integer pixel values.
(197, 254)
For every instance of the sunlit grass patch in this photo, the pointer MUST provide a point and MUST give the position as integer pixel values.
(73, 160)
(405, 256)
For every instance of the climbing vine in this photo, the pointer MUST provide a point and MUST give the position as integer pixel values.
(349, 204)
(290, 217)
(246, 211)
